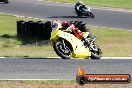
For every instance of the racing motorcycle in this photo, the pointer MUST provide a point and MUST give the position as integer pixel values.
(82, 10)
(5, 1)
(67, 45)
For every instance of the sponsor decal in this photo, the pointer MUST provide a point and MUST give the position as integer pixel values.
(83, 78)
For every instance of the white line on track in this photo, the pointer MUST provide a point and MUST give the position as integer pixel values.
(102, 57)
(116, 58)
(80, 58)
(39, 0)
(2, 57)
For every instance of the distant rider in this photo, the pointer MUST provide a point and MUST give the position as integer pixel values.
(80, 7)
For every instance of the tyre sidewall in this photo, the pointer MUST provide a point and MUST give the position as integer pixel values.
(58, 52)
(91, 14)
(95, 56)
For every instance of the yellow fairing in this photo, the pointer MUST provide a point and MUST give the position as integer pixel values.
(79, 50)
(54, 35)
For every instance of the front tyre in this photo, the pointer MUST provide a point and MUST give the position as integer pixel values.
(62, 50)
(91, 15)
(96, 52)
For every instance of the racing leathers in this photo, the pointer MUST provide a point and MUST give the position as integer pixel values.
(72, 29)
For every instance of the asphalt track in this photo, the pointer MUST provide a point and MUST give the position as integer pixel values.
(26, 68)
(50, 11)
(42, 68)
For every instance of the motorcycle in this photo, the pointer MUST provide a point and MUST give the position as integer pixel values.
(84, 11)
(5, 1)
(67, 46)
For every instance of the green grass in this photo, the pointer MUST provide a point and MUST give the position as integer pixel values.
(28, 51)
(112, 42)
(13, 46)
(8, 24)
(127, 4)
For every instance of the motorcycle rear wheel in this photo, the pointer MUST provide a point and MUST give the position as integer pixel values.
(79, 14)
(64, 53)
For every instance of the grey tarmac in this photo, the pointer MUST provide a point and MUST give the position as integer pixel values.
(51, 68)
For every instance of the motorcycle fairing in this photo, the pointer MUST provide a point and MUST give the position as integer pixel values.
(79, 50)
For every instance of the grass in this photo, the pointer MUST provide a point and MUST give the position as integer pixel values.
(13, 46)
(28, 51)
(113, 43)
(56, 84)
(126, 4)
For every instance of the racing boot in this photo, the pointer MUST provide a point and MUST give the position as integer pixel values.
(87, 41)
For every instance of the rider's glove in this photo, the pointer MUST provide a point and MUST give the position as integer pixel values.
(69, 29)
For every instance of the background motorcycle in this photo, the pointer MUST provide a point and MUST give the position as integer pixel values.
(5, 1)
(84, 11)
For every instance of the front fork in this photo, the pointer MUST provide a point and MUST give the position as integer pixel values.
(89, 41)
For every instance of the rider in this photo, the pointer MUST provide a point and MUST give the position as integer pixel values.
(69, 27)
(80, 6)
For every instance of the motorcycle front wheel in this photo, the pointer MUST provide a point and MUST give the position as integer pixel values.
(62, 50)
(96, 52)
(91, 14)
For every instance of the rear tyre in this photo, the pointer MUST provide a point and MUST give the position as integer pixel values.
(63, 52)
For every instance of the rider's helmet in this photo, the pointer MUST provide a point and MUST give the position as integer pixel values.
(55, 23)
(80, 3)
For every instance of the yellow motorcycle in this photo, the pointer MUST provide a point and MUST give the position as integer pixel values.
(67, 46)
